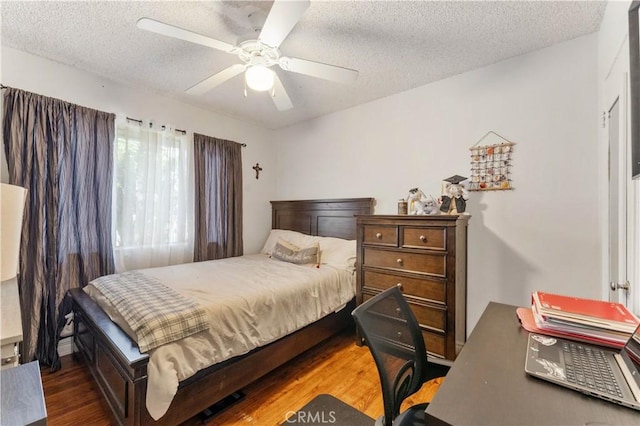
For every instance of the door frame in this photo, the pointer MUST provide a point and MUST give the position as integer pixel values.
(616, 86)
(620, 177)
(628, 243)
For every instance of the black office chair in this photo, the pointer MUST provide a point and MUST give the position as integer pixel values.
(393, 335)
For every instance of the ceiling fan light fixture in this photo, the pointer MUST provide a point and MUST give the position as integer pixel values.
(259, 78)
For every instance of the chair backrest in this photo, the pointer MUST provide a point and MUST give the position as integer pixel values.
(393, 335)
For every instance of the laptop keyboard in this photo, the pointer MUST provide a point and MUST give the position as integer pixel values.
(589, 367)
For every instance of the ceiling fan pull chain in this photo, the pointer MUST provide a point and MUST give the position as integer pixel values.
(245, 88)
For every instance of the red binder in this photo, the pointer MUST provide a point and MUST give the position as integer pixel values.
(597, 313)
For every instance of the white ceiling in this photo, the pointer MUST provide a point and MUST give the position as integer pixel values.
(395, 45)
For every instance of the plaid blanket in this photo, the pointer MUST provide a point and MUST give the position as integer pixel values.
(155, 312)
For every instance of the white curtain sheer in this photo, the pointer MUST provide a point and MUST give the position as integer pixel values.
(153, 205)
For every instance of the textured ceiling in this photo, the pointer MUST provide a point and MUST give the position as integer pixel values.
(395, 45)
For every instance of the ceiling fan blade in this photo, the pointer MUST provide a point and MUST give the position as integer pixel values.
(284, 15)
(279, 95)
(317, 69)
(216, 79)
(182, 34)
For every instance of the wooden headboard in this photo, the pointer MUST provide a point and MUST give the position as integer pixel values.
(325, 218)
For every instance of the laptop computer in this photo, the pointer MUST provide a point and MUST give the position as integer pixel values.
(590, 369)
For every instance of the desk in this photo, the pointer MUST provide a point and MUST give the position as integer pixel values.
(487, 384)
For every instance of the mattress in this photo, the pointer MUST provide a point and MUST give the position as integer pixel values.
(251, 301)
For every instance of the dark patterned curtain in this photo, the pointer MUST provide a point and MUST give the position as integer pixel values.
(218, 198)
(62, 154)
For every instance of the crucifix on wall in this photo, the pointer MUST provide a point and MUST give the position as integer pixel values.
(258, 169)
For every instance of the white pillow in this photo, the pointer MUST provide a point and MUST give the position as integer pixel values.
(338, 252)
(297, 238)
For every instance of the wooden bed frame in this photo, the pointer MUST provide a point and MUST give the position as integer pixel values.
(120, 370)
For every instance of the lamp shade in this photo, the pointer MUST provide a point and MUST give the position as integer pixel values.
(259, 78)
(12, 200)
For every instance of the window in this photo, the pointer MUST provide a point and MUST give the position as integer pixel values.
(153, 197)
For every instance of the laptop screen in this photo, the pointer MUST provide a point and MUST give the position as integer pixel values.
(631, 355)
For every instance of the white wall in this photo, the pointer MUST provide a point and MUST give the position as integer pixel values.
(35, 74)
(543, 235)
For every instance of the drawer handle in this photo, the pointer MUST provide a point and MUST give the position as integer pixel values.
(423, 238)
(9, 360)
(379, 235)
(399, 260)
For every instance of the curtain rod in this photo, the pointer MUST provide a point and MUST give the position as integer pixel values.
(244, 145)
(184, 132)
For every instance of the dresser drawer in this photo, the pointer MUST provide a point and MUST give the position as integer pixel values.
(427, 316)
(387, 320)
(434, 341)
(424, 263)
(8, 350)
(380, 235)
(435, 344)
(430, 289)
(10, 355)
(430, 316)
(427, 238)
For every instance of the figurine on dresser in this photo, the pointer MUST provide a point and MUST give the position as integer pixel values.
(454, 195)
(420, 204)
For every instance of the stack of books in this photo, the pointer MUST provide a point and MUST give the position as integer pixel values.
(589, 320)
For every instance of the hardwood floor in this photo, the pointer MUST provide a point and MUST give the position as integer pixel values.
(337, 367)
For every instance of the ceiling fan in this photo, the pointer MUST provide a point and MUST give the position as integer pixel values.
(258, 55)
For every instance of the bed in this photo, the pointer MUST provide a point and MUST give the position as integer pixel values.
(121, 370)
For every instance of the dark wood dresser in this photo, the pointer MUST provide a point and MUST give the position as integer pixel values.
(428, 256)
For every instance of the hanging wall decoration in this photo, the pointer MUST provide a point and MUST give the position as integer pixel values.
(491, 165)
(258, 169)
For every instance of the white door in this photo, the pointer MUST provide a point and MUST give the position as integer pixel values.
(618, 282)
